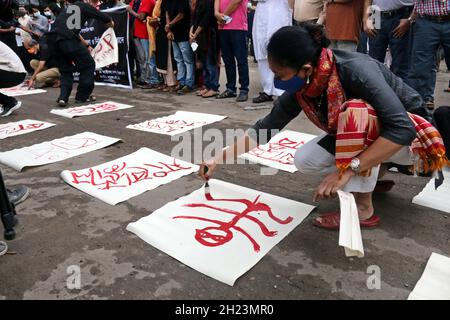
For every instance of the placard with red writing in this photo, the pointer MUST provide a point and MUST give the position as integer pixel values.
(177, 123)
(91, 109)
(279, 152)
(223, 233)
(16, 128)
(126, 177)
(55, 150)
(20, 90)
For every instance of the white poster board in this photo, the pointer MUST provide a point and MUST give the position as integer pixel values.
(20, 90)
(436, 199)
(222, 234)
(55, 150)
(106, 52)
(279, 152)
(129, 176)
(177, 123)
(90, 109)
(435, 281)
(16, 128)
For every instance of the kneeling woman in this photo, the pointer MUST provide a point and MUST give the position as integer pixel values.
(369, 115)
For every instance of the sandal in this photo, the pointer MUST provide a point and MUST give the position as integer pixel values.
(210, 94)
(91, 98)
(384, 186)
(226, 94)
(201, 92)
(169, 89)
(331, 221)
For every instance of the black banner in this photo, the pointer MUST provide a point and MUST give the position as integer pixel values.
(116, 75)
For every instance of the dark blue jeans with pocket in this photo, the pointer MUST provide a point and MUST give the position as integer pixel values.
(428, 37)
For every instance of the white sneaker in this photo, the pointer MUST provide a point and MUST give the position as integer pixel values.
(7, 111)
(3, 248)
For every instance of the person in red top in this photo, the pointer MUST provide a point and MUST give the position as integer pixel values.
(149, 75)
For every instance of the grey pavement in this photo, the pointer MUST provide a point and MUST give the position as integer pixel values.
(61, 227)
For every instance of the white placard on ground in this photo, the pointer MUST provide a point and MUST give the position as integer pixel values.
(177, 123)
(222, 234)
(12, 129)
(349, 229)
(279, 152)
(436, 199)
(435, 281)
(90, 109)
(55, 150)
(20, 90)
(129, 176)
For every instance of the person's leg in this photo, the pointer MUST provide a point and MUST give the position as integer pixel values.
(266, 77)
(34, 64)
(66, 69)
(140, 58)
(213, 71)
(379, 44)
(181, 68)
(311, 158)
(226, 46)
(400, 50)
(189, 63)
(86, 65)
(9, 80)
(45, 78)
(7, 100)
(362, 45)
(240, 52)
(425, 45)
(145, 43)
(154, 76)
(445, 42)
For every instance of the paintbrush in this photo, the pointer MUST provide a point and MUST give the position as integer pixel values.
(207, 190)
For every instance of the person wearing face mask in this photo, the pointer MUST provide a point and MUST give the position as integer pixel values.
(44, 63)
(39, 23)
(50, 17)
(369, 115)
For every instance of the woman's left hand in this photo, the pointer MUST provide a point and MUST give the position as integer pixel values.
(330, 185)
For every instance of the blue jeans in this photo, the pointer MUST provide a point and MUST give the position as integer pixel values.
(184, 57)
(233, 44)
(210, 72)
(149, 74)
(399, 47)
(428, 36)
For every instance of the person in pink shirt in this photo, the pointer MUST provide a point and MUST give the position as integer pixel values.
(231, 16)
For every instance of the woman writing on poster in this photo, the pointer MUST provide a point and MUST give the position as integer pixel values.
(369, 115)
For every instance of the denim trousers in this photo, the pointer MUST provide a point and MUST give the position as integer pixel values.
(399, 47)
(184, 57)
(428, 37)
(147, 65)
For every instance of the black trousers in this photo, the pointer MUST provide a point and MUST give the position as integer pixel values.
(442, 120)
(8, 80)
(74, 56)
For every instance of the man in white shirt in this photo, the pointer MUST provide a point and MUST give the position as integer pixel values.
(393, 31)
(270, 16)
(12, 73)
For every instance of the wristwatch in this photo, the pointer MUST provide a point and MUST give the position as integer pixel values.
(355, 165)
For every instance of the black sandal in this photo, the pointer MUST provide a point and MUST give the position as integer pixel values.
(263, 97)
(226, 94)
